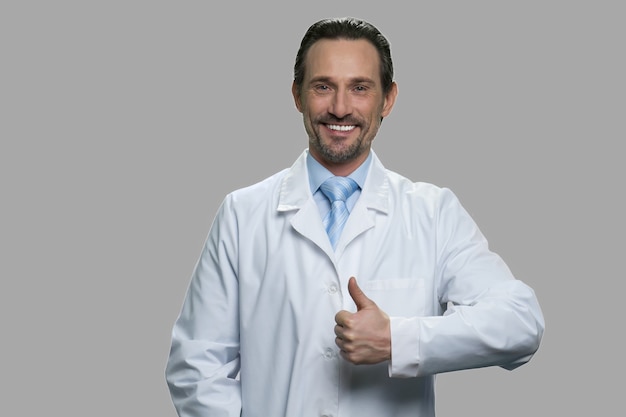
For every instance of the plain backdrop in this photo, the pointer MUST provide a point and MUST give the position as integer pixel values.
(123, 124)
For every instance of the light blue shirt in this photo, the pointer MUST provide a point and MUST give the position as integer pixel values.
(318, 174)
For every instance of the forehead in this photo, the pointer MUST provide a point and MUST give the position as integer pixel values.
(342, 58)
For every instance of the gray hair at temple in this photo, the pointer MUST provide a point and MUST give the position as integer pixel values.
(345, 28)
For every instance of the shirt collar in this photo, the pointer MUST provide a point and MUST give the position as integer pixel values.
(318, 174)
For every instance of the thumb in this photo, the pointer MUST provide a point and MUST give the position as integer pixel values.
(359, 297)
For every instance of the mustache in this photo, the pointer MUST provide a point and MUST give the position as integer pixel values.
(330, 119)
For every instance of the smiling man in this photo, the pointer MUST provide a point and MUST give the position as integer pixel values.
(342, 101)
(337, 287)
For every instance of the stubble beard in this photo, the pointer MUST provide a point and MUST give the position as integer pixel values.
(336, 152)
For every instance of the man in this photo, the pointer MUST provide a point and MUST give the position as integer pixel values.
(288, 314)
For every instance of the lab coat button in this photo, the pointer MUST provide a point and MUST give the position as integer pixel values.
(332, 289)
(328, 353)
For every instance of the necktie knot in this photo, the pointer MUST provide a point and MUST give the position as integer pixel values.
(337, 190)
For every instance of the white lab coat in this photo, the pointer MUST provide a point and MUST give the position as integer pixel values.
(268, 284)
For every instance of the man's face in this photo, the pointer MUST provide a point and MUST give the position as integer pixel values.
(342, 101)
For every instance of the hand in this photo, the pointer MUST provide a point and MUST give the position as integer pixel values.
(363, 337)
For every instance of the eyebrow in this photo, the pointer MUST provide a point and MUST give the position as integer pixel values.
(357, 80)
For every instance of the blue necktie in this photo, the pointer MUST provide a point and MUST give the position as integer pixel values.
(337, 189)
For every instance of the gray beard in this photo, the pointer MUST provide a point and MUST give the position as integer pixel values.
(334, 156)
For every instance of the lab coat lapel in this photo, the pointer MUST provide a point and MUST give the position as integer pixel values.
(308, 223)
(374, 197)
(295, 195)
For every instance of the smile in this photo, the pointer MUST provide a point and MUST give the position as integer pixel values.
(341, 128)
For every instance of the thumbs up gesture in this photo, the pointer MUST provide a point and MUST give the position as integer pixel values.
(363, 337)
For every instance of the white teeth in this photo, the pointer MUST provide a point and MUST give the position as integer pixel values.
(341, 128)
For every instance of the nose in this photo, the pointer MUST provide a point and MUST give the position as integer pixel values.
(340, 106)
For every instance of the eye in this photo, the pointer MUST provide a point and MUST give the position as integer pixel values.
(360, 88)
(322, 87)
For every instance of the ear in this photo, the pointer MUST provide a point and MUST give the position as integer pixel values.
(390, 99)
(296, 96)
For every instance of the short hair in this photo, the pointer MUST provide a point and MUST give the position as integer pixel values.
(345, 28)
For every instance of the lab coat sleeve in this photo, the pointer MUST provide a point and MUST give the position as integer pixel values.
(203, 364)
(492, 319)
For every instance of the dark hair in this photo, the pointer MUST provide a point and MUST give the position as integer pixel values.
(345, 28)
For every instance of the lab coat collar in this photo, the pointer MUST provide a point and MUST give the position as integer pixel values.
(294, 188)
(375, 193)
(295, 194)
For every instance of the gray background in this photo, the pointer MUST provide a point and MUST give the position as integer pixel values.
(124, 123)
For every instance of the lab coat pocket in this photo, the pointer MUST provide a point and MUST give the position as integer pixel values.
(398, 297)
